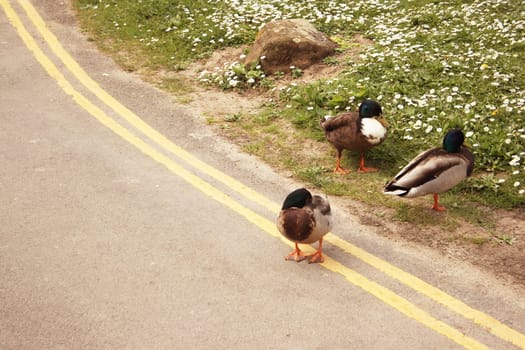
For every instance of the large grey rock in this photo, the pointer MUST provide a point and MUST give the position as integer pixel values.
(285, 43)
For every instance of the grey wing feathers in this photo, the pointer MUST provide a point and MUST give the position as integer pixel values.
(429, 166)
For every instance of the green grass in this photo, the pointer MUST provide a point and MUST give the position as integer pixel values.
(432, 65)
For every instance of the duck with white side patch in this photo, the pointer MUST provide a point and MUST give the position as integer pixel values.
(356, 131)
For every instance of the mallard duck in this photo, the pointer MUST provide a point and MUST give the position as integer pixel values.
(434, 171)
(356, 131)
(305, 219)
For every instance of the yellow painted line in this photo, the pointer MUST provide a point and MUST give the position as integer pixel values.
(382, 293)
(494, 326)
(401, 304)
(491, 324)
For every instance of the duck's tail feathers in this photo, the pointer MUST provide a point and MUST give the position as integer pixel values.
(330, 123)
(395, 190)
(322, 122)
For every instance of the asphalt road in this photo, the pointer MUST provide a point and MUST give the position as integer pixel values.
(113, 240)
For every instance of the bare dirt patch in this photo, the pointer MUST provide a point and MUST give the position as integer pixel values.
(499, 249)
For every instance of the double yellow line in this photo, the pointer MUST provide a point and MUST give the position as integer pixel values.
(402, 305)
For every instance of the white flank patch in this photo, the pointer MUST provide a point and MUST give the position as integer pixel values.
(373, 130)
(395, 193)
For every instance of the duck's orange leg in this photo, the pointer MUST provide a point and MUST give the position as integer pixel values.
(317, 257)
(338, 168)
(436, 205)
(297, 254)
(362, 167)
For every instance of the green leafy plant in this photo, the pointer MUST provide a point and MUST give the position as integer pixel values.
(296, 72)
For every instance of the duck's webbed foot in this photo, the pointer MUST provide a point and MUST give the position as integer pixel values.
(317, 257)
(296, 254)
